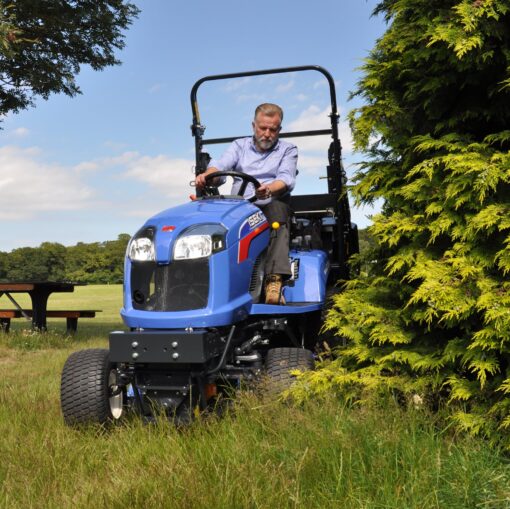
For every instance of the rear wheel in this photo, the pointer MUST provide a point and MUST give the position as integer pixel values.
(89, 390)
(281, 361)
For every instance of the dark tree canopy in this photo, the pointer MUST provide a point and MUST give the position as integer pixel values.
(43, 44)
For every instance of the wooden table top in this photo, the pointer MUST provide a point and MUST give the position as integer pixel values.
(28, 286)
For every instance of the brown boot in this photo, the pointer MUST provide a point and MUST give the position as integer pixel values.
(274, 289)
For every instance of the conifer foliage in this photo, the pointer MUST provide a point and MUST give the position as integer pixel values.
(433, 317)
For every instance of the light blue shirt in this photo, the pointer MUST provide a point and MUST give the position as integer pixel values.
(278, 163)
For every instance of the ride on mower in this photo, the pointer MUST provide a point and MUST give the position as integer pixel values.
(193, 294)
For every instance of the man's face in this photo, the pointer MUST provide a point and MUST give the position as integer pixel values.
(266, 129)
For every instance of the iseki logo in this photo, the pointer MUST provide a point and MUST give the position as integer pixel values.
(256, 219)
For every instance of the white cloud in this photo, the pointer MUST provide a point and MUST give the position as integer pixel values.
(156, 88)
(125, 158)
(324, 83)
(30, 186)
(312, 165)
(313, 118)
(86, 166)
(285, 87)
(20, 132)
(102, 163)
(241, 98)
(114, 145)
(170, 177)
(235, 84)
(157, 177)
(311, 144)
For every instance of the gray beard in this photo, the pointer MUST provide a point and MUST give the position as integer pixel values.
(265, 144)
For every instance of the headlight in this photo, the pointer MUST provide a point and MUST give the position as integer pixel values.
(193, 246)
(141, 246)
(200, 241)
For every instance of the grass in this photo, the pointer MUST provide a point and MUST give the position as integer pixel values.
(259, 455)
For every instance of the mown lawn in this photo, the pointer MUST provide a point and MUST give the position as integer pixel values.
(259, 455)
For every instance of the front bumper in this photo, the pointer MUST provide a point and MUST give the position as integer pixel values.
(165, 347)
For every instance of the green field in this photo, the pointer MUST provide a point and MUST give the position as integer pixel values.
(259, 455)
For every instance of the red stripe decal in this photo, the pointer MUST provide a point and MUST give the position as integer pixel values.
(244, 243)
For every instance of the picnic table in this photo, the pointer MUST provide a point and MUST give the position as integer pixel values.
(39, 292)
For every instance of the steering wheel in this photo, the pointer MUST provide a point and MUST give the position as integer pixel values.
(246, 179)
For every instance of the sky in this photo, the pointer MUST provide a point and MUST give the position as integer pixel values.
(88, 168)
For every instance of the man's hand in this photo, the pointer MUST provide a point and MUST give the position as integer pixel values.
(263, 192)
(274, 188)
(200, 179)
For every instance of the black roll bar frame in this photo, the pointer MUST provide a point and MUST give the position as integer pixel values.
(335, 171)
(197, 129)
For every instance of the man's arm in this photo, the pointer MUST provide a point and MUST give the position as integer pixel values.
(285, 178)
(226, 162)
(200, 179)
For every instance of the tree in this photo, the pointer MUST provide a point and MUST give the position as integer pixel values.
(115, 251)
(433, 317)
(44, 43)
(98, 262)
(95, 263)
(366, 240)
(27, 264)
(54, 256)
(3, 262)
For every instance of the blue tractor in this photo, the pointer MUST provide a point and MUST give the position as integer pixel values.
(193, 295)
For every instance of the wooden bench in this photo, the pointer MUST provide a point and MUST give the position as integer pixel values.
(71, 317)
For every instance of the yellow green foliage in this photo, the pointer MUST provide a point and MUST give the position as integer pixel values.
(433, 316)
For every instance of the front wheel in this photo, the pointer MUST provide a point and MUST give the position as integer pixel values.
(281, 361)
(89, 390)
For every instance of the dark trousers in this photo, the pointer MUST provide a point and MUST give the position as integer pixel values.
(277, 259)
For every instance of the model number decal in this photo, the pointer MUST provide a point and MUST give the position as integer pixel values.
(256, 219)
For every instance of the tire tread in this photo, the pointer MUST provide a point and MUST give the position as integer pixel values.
(281, 361)
(84, 388)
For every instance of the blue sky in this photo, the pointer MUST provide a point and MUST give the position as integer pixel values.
(91, 167)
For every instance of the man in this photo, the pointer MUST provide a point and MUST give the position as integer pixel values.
(272, 162)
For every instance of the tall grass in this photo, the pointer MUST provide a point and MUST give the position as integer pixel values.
(258, 455)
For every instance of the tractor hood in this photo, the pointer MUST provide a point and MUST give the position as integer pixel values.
(170, 224)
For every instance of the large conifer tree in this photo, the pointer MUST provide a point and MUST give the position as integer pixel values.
(433, 318)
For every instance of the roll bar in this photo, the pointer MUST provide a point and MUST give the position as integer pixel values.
(197, 129)
(336, 176)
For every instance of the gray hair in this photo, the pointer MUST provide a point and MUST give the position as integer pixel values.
(270, 110)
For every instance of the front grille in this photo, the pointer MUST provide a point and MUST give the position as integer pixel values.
(178, 286)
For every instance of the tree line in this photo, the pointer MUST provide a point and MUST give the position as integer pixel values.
(94, 263)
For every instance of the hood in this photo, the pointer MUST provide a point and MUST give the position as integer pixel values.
(169, 224)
